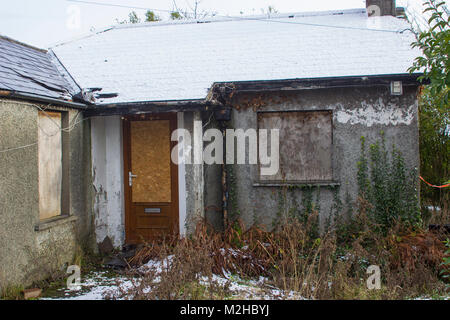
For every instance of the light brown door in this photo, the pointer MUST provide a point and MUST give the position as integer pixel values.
(151, 178)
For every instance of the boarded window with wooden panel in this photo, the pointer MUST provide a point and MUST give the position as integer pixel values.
(50, 163)
(305, 145)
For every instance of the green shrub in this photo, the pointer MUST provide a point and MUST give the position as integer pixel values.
(388, 186)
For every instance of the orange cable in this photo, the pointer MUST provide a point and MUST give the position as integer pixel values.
(432, 185)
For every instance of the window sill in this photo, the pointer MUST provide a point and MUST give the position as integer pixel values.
(299, 184)
(55, 221)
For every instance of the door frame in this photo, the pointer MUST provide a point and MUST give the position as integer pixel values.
(126, 120)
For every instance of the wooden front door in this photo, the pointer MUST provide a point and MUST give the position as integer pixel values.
(151, 178)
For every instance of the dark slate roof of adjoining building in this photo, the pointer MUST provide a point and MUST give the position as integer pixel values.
(25, 69)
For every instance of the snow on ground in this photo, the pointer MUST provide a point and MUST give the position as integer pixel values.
(94, 286)
(255, 289)
(100, 284)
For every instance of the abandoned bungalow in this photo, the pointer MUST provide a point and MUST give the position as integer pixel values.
(317, 81)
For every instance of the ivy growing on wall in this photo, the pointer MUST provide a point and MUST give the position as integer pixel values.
(387, 195)
(389, 187)
(232, 194)
(307, 212)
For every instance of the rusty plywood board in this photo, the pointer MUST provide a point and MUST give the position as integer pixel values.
(150, 161)
(305, 144)
(50, 164)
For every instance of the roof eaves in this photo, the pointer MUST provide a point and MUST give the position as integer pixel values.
(42, 99)
(142, 107)
(320, 83)
(222, 92)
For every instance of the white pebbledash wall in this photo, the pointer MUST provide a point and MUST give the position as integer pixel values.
(108, 179)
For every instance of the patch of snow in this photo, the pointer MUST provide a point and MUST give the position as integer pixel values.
(98, 285)
(93, 287)
(156, 265)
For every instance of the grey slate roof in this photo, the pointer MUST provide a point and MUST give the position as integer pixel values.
(25, 69)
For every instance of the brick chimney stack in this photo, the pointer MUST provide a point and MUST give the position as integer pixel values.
(386, 7)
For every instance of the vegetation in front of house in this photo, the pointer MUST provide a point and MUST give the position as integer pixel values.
(383, 227)
(445, 272)
(289, 259)
(388, 188)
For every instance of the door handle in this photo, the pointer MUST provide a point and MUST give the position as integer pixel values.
(130, 178)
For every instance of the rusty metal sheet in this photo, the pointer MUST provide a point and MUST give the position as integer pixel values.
(305, 144)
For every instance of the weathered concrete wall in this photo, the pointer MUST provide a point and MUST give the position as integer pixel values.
(356, 112)
(193, 194)
(27, 255)
(107, 173)
(182, 192)
(213, 183)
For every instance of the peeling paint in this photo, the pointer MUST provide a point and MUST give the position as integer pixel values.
(108, 179)
(376, 113)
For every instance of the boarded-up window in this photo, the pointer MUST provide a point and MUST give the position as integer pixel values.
(50, 164)
(305, 145)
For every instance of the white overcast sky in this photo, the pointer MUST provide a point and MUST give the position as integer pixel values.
(45, 22)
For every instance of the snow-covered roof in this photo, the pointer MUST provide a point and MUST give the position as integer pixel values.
(180, 60)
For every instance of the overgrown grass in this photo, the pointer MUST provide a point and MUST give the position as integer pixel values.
(12, 293)
(291, 260)
(51, 266)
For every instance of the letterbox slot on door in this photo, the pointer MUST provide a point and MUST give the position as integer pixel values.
(152, 210)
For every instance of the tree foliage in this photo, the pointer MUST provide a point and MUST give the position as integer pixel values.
(175, 16)
(133, 17)
(434, 43)
(434, 128)
(150, 16)
(192, 11)
(433, 39)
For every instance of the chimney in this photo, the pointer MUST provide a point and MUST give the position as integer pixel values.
(381, 8)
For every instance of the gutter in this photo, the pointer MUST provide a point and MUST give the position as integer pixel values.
(43, 99)
(319, 83)
(222, 92)
(144, 107)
